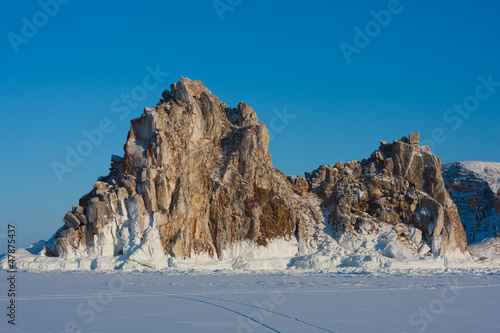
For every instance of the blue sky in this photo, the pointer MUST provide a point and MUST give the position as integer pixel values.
(280, 56)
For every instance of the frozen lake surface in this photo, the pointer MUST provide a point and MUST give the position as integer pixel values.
(249, 301)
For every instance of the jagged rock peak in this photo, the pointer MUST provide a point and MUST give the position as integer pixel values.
(196, 178)
(400, 184)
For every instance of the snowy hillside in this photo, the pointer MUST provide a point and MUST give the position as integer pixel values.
(488, 250)
(473, 186)
(487, 171)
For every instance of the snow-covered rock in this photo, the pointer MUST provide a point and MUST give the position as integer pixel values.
(487, 251)
(400, 185)
(475, 188)
(196, 180)
(196, 188)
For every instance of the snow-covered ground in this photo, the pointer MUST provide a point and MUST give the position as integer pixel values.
(344, 300)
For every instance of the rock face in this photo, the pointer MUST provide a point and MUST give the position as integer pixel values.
(197, 178)
(400, 184)
(475, 188)
(196, 175)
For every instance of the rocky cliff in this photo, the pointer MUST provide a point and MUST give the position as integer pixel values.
(400, 185)
(196, 175)
(196, 179)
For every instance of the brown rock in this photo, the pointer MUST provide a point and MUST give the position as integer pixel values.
(70, 220)
(409, 189)
(201, 174)
(415, 139)
(299, 184)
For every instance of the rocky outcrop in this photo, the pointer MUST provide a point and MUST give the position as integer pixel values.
(196, 176)
(401, 185)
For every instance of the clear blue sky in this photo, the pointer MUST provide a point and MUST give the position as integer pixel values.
(271, 54)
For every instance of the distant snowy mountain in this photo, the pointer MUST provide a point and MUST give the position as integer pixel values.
(473, 186)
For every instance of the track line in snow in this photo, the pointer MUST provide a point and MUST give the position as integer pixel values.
(224, 308)
(274, 312)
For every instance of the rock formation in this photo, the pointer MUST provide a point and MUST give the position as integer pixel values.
(400, 184)
(196, 178)
(196, 175)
